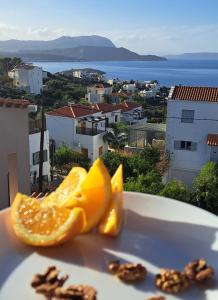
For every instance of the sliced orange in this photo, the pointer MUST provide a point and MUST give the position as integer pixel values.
(69, 186)
(112, 221)
(44, 225)
(94, 194)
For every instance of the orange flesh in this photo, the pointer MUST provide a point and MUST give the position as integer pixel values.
(40, 220)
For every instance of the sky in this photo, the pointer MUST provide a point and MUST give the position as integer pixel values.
(144, 26)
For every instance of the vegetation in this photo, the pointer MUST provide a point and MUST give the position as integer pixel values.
(8, 63)
(205, 188)
(65, 158)
(176, 190)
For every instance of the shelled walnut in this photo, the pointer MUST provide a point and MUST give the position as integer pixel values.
(77, 292)
(127, 272)
(48, 282)
(171, 281)
(198, 270)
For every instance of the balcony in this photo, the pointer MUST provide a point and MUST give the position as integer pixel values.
(88, 131)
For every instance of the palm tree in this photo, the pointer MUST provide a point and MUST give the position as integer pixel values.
(115, 139)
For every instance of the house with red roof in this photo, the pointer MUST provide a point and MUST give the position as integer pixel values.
(110, 111)
(14, 150)
(192, 130)
(80, 127)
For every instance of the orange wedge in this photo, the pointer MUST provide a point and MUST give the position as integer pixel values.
(112, 221)
(94, 194)
(40, 225)
(69, 186)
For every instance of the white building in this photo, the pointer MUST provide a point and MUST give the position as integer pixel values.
(27, 77)
(130, 88)
(192, 130)
(96, 92)
(80, 127)
(14, 150)
(131, 113)
(147, 94)
(110, 112)
(34, 147)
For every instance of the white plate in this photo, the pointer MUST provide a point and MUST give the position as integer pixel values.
(158, 233)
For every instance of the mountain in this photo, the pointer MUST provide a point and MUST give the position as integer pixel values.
(60, 43)
(196, 56)
(83, 53)
(65, 48)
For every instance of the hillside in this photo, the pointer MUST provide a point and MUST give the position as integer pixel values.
(84, 53)
(60, 43)
(196, 56)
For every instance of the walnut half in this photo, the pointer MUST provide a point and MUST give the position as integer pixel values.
(171, 281)
(75, 292)
(198, 270)
(130, 272)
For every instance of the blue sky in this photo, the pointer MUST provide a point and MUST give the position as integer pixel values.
(145, 26)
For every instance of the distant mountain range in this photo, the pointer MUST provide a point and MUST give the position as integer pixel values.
(83, 48)
(195, 56)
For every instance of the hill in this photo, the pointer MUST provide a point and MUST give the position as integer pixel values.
(60, 43)
(196, 56)
(83, 53)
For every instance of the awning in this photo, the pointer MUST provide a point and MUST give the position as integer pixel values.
(212, 139)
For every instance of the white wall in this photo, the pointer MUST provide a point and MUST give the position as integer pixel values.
(184, 160)
(28, 79)
(34, 146)
(14, 132)
(61, 129)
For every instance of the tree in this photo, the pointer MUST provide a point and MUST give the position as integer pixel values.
(115, 140)
(205, 188)
(65, 158)
(176, 190)
(149, 183)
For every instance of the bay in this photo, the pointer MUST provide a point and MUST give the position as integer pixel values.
(168, 73)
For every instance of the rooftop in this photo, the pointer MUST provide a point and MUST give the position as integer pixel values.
(127, 106)
(212, 139)
(73, 111)
(105, 107)
(190, 93)
(18, 103)
(24, 66)
(149, 127)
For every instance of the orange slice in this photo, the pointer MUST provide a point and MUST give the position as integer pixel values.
(68, 187)
(112, 221)
(94, 194)
(39, 225)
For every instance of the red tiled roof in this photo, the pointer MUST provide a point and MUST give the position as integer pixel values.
(127, 106)
(18, 103)
(73, 111)
(105, 107)
(212, 139)
(191, 93)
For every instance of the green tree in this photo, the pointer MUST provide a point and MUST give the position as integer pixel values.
(112, 161)
(65, 158)
(176, 190)
(205, 188)
(115, 140)
(149, 183)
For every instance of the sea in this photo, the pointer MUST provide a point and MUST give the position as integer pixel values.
(167, 73)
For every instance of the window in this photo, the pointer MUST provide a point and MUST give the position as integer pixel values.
(185, 145)
(100, 150)
(116, 119)
(36, 157)
(187, 116)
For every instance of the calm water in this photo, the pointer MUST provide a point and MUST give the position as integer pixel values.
(171, 72)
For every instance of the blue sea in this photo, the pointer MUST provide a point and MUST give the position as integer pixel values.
(171, 72)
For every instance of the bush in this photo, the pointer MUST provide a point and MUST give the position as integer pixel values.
(176, 190)
(149, 183)
(205, 188)
(66, 156)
